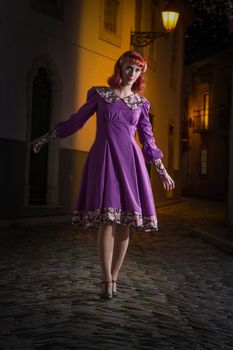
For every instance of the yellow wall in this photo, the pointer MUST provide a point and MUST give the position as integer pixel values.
(95, 62)
(95, 59)
(165, 101)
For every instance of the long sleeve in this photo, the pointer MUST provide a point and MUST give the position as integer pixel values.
(78, 119)
(149, 149)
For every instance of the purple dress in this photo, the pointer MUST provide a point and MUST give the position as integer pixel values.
(115, 185)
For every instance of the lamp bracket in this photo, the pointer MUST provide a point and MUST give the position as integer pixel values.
(142, 39)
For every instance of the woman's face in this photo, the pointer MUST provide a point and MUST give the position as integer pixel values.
(130, 73)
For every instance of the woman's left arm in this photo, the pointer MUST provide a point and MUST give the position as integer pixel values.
(168, 182)
(151, 152)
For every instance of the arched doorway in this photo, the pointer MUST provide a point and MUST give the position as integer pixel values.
(40, 122)
(44, 91)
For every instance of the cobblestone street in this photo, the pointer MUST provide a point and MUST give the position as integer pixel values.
(175, 289)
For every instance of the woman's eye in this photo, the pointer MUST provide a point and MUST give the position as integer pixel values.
(132, 69)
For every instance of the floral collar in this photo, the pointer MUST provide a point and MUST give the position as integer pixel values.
(109, 95)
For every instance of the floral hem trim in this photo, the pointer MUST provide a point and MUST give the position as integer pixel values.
(92, 219)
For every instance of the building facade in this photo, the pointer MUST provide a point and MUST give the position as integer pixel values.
(206, 123)
(54, 51)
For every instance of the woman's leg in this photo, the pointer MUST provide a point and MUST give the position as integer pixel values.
(120, 247)
(105, 244)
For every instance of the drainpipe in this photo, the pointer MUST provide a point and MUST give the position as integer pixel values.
(230, 175)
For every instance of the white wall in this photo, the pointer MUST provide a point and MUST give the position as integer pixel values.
(82, 59)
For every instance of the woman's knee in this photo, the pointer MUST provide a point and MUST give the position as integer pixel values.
(107, 227)
(122, 230)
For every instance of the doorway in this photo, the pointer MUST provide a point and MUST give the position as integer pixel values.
(40, 122)
(171, 147)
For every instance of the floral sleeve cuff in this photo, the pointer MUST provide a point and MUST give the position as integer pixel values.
(159, 166)
(46, 138)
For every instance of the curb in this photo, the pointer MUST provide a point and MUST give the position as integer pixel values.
(169, 202)
(35, 220)
(221, 243)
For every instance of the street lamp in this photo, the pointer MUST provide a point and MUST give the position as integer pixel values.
(142, 39)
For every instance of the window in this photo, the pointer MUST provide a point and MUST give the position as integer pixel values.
(110, 21)
(205, 118)
(201, 116)
(204, 161)
(53, 8)
(111, 9)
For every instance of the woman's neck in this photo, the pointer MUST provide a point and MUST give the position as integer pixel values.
(123, 91)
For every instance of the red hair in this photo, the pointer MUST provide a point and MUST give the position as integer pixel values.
(131, 57)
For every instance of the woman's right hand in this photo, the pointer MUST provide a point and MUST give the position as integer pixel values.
(41, 141)
(36, 145)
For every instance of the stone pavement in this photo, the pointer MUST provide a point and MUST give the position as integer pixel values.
(175, 289)
(208, 220)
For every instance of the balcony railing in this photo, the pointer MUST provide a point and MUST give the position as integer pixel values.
(201, 120)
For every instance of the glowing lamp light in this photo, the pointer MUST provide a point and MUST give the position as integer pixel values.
(141, 39)
(170, 19)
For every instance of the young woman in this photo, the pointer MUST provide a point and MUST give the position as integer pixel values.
(115, 192)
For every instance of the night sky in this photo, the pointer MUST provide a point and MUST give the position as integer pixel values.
(212, 29)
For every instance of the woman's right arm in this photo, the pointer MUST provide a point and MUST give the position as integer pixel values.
(71, 125)
(78, 119)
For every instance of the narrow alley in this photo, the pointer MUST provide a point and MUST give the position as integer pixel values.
(175, 289)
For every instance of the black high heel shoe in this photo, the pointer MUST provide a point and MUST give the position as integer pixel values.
(106, 295)
(114, 293)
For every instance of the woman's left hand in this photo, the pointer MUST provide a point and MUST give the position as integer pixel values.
(167, 181)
